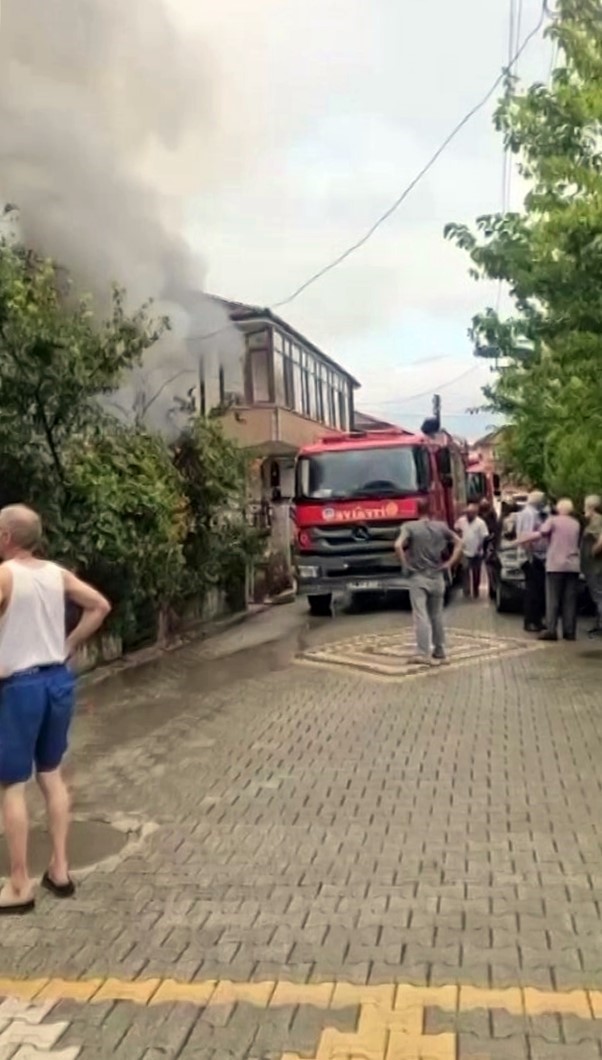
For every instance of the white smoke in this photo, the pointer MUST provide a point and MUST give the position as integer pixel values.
(105, 106)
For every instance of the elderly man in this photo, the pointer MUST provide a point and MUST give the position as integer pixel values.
(591, 556)
(36, 696)
(533, 560)
(562, 532)
(474, 533)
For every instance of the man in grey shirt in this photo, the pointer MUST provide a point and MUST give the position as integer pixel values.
(422, 547)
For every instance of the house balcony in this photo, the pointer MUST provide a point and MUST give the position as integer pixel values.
(272, 431)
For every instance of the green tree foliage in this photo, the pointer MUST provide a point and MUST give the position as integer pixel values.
(219, 543)
(549, 387)
(55, 361)
(124, 520)
(145, 523)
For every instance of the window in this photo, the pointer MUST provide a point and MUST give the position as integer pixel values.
(260, 376)
(289, 384)
(374, 471)
(332, 414)
(305, 385)
(203, 398)
(279, 390)
(222, 385)
(342, 410)
(319, 400)
(298, 387)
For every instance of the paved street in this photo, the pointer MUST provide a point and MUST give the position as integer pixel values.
(312, 852)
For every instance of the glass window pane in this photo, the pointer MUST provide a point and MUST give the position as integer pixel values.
(298, 388)
(260, 375)
(289, 385)
(279, 394)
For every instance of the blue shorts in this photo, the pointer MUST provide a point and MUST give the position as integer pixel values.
(36, 707)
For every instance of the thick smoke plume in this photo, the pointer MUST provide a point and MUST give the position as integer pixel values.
(103, 107)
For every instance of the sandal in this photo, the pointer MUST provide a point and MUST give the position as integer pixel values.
(59, 890)
(13, 906)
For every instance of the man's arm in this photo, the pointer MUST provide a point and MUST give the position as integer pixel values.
(456, 556)
(94, 606)
(597, 549)
(5, 588)
(536, 535)
(403, 542)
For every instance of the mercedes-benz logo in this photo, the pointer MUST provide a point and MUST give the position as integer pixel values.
(361, 533)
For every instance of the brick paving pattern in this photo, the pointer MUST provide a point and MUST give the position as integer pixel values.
(316, 825)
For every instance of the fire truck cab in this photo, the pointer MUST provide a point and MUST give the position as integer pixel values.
(353, 492)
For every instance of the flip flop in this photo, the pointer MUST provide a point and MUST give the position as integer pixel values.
(17, 907)
(59, 890)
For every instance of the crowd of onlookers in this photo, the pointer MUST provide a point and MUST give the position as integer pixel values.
(555, 548)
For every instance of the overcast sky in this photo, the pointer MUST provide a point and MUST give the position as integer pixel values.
(320, 112)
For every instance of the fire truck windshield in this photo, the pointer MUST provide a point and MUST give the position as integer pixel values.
(346, 474)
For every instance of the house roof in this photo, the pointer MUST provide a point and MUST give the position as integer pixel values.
(240, 313)
(363, 420)
(487, 439)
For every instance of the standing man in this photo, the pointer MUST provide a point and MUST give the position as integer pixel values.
(562, 532)
(532, 559)
(591, 557)
(36, 696)
(492, 544)
(421, 547)
(474, 533)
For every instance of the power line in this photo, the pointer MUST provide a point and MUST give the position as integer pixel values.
(361, 242)
(428, 393)
(422, 172)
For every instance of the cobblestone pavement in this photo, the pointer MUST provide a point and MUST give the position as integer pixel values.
(342, 858)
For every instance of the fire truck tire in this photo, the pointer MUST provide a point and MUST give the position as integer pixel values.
(320, 606)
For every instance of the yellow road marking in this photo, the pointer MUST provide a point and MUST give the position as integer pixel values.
(391, 1023)
(586, 1004)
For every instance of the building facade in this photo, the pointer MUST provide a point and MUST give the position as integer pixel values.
(280, 393)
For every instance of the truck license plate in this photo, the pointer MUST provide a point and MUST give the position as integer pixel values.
(361, 585)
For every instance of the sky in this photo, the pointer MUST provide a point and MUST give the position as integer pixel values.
(321, 111)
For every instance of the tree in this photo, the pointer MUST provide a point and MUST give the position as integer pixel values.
(124, 521)
(549, 387)
(55, 362)
(220, 543)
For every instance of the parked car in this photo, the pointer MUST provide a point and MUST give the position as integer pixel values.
(510, 584)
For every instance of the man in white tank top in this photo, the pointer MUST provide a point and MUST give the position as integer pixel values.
(36, 696)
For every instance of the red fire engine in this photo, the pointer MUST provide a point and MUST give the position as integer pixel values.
(354, 491)
(482, 484)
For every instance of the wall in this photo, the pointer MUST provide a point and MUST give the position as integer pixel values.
(274, 428)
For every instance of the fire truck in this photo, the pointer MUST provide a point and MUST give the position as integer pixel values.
(352, 494)
(482, 484)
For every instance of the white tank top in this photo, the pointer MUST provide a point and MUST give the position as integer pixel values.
(32, 629)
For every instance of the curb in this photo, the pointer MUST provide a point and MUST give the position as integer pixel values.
(202, 631)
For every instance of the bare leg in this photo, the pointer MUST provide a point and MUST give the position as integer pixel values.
(56, 795)
(16, 828)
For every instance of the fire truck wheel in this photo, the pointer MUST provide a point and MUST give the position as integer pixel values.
(320, 606)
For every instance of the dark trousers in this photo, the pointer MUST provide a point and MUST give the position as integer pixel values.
(471, 575)
(535, 592)
(562, 591)
(594, 584)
